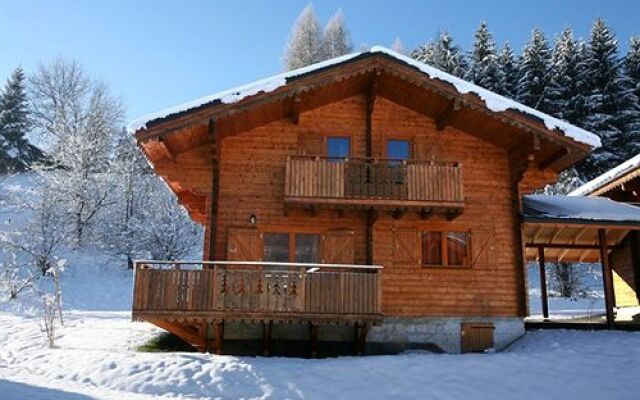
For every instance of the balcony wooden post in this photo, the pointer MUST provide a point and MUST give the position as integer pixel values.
(266, 337)
(607, 277)
(543, 283)
(313, 340)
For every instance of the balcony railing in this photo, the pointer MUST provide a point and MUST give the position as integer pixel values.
(371, 182)
(247, 290)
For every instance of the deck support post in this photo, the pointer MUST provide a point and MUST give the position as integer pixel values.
(313, 340)
(361, 331)
(607, 277)
(219, 337)
(543, 283)
(266, 338)
(209, 338)
(634, 247)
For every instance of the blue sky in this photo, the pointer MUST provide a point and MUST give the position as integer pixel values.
(155, 54)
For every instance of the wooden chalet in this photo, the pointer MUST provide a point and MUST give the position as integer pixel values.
(369, 198)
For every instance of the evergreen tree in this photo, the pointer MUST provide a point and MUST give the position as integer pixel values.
(16, 153)
(612, 107)
(535, 88)
(335, 40)
(509, 72)
(483, 61)
(443, 54)
(567, 79)
(303, 47)
(632, 65)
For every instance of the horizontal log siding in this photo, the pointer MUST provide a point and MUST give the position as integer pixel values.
(253, 181)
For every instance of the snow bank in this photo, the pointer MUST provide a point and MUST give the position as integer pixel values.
(493, 101)
(611, 175)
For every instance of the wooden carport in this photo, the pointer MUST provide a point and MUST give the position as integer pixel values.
(579, 229)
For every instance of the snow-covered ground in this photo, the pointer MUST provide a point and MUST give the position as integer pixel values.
(96, 359)
(96, 355)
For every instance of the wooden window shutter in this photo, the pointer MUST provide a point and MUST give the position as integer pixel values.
(481, 246)
(338, 247)
(424, 149)
(406, 246)
(311, 145)
(243, 245)
(476, 337)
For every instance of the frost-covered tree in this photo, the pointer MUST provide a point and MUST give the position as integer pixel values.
(443, 54)
(508, 72)
(567, 77)
(568, 180)
(335, 39)
(16, 153)
(484, 69)
(304, 45)
(535, 87)
(612, 107)
(163, 228)
(79, 120)
(398, 46)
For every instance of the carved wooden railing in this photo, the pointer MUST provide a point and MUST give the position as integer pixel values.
(322, 178)
(256, 287)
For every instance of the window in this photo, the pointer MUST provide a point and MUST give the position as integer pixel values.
(338, 147)
(291, 247)
(307, 248)
(445, 249)
(398, 149)
(458, 248)
(432, 248)
(275, 247)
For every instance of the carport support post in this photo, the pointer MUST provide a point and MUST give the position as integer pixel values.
(607, 277)
(543, 283)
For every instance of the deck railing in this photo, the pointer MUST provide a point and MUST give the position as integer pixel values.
(256, 288)
(332, 180)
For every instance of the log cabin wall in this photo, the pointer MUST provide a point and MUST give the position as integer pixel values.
(252, 174)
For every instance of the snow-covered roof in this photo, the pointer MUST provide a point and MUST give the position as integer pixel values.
(493, 101)
(609, 176)
(579, 209)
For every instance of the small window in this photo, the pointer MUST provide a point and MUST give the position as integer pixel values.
(275, 247)
(432, 248)
(445, 249)
(338, 147)
(307, 248)
(398, 149)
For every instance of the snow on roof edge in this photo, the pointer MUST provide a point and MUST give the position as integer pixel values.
(612, 174)
(493, 101)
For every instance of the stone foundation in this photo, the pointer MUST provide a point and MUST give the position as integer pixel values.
(392, 336)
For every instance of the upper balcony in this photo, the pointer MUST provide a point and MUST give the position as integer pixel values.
(373, 183)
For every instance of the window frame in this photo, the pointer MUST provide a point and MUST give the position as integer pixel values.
(292, 232)
(349, 143)
(398, 139)
(444, 250)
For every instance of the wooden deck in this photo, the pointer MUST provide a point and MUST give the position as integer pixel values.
(215, 291)
(369, 183)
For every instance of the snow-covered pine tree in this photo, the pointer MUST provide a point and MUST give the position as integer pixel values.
(509, 71)
(303, 47)
(612, 107)
(443, 54)
(567, 74)
(16, 153)
(535, 87)
(483, 69)
(632, 64)
(335, 39)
